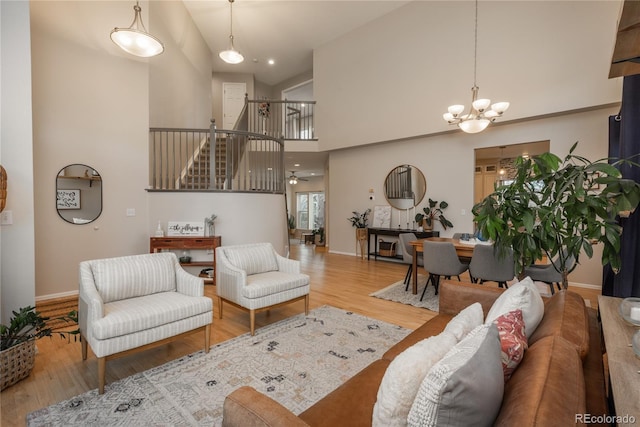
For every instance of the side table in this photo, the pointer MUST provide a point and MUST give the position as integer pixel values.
(156, 244)
(624, 366)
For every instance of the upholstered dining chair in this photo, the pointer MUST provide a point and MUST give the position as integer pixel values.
(407, 255)
(487, 265)
(548, 273)
(441, 259)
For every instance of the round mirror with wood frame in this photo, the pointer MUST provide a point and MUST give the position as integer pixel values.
(405, 187)
(78, 194)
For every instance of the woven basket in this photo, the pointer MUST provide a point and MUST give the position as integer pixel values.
(387, 248)
(16, 363)
(3, 188)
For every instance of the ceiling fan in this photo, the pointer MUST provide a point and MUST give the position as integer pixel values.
(293, 179)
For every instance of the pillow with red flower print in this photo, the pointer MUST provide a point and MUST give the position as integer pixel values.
(513, 340)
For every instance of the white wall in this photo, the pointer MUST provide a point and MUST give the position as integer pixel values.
(395, 77)
(447, 162)
(17, 247)
(242, 217)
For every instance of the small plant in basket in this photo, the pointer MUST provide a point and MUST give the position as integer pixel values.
(359, 220)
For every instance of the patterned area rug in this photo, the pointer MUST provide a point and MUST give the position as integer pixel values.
(296, 361)
(395, 292)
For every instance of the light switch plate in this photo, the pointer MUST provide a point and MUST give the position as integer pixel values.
(131, 212)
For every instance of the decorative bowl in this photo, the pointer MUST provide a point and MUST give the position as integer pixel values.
(630, 310)
(185, 259)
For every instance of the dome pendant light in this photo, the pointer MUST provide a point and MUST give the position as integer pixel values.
(135, 39)
(480, 114)
(231, 55)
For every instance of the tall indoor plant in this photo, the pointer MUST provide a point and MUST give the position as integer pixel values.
(558, 207)
(359, 221)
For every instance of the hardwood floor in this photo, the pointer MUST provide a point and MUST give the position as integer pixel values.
(338, 280)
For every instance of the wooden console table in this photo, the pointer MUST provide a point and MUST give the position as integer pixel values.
(624, 366)
(156, 244)
(375, 232)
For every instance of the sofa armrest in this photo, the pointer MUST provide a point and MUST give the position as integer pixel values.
(456, 296)
(287, 265)
(248, 407)
(187, 283)
(229, 278)
(91, 306)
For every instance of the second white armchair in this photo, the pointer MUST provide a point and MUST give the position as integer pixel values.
(255, 277)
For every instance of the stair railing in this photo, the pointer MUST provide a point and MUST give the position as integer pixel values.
(187, 160)
(289, 120)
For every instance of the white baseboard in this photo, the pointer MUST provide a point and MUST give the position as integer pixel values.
(585, 285)
(55, 296)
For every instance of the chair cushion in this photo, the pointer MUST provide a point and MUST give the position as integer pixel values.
(253, 259)
(133, 276)
(272, 282)
(127, 316)
(464, 388)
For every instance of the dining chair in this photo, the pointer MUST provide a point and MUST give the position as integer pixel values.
(441, 259)
(547, 273)
(487, 265)
(407, 255)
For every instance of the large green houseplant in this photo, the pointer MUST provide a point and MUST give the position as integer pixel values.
(558, 208)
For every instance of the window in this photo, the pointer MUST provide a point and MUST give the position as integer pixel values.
(310, 210)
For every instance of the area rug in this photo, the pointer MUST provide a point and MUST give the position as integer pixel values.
(296, 361)
(396, 292)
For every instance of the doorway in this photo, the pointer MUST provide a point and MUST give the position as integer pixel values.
(496, 164)
(232, 103)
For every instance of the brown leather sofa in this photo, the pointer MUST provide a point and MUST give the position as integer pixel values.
(560, 378)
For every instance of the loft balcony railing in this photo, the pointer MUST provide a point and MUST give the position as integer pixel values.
(215, 160)
(289, 120)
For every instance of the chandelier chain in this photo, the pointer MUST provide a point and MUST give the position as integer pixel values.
(475, 48)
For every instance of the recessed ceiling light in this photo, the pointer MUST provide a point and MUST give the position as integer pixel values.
(296, 164)
(313, 173)
(271, 62)
(255, 60)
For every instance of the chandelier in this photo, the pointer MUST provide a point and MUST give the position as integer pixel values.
(231, 55)
(135, 39)
(480, 115)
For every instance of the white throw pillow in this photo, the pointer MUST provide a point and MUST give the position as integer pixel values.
(524, 296)
(464, 388)
(466, 321)
(402, 379)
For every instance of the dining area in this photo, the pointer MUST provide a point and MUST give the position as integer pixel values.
(447, 257)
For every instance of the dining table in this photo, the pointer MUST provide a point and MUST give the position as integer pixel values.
(464, 249)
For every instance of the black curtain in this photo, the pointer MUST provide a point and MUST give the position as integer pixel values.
(624, 142)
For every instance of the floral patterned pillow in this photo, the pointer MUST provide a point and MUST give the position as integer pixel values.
(513, 340)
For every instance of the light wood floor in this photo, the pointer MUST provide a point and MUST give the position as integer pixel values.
(337, 280)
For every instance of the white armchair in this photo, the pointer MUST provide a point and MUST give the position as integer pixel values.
(255, 277)
(137, 302)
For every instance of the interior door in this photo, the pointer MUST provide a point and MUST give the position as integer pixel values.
(232, 103)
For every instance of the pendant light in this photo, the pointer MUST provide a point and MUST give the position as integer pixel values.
(135, 39)
(231, 55)
(480, 115)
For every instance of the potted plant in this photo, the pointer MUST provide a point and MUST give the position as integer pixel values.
(432, 213)
(558, 207)
(319, 236)
(359, 221)
(292, 224)
(17, 342)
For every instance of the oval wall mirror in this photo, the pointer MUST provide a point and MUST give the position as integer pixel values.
(405, 187)
(79, 194)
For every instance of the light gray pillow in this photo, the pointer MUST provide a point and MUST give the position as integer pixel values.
(466, 387)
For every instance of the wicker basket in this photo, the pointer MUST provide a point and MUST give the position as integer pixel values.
(16, 363)
(387, 248)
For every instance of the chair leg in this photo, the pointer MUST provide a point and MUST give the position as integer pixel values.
(252, 321)
(207, 338)
(407, 277)
(306, 304)
(102, 367)
(83, 345)
(436, 283)
(426, 286)
(219, 308)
